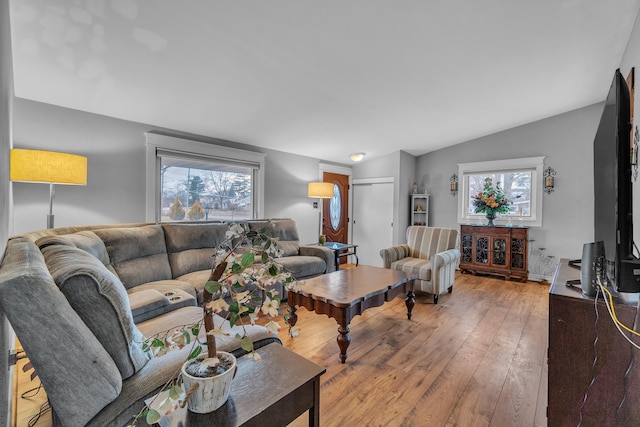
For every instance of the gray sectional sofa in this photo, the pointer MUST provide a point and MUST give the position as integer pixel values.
(81, 299)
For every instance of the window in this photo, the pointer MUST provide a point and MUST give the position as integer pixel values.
(518, 179)
(194, 181)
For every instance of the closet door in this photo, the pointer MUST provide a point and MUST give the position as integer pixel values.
(372, 220)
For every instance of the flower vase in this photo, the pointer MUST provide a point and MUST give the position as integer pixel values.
(491, 216)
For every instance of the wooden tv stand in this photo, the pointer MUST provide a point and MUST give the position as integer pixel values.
(572, 331)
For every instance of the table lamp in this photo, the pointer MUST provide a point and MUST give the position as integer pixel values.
(48, 167)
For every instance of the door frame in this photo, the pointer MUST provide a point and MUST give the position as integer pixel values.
(342, 170)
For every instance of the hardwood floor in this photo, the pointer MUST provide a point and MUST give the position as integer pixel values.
(477, 358)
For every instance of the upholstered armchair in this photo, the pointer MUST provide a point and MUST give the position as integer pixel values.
(430, 253)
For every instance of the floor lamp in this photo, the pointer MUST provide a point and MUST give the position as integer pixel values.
(48, 167)
(320, 190)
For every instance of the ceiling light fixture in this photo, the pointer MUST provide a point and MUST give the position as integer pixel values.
(356, 157)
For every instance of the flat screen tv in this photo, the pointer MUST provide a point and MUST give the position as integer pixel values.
(613, 190)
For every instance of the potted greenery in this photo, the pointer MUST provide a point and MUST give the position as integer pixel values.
(240, 285)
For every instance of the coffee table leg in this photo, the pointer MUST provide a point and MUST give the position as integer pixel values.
(293, 317)
(343, 341)
(410, 301)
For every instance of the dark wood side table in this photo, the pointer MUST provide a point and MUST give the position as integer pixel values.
(272, 392)
(342, 250)
(346, 293)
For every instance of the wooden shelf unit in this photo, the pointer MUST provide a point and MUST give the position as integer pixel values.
(419, 209)
(498, 250)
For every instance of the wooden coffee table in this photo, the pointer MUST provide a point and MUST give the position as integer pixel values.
(346, 293)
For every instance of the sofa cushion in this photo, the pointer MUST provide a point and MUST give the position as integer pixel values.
(101, 301)
(191, 246)
(288, 247)
(303, 266)
(414, 266)
(197, 279)
(138, 255)
(79, 375)
(85, 240)
(166, 286)
(424, 242)
(284, 229)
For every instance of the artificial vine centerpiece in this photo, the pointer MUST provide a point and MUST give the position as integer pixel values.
(491, 201)
(240, 287)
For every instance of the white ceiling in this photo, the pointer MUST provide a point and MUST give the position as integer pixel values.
(322, 78)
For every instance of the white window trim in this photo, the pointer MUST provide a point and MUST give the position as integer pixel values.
(534, 163)
(156, 140)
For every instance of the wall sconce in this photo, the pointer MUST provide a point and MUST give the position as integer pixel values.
(549, 180)
(454, 184)
(320, 190)
(48, 167)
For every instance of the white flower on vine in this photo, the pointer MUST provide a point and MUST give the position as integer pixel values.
(253, 317)
(218, 305)
(270, 307)
(235, 231)
(272, 327)
(294, 331)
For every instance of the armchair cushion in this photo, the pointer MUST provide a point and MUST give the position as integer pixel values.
(393, 254)
(424, 242)
(414, 266)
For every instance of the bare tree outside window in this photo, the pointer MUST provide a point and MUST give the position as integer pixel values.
(515, 185)
(220, 191)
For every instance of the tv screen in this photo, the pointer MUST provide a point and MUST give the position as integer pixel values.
(612, 188)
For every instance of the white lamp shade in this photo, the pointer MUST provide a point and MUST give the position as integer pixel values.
(48, 167)
(321, 190)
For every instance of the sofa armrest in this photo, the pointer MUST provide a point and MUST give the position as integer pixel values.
(443, 268)
(394, 253)
(320, 251)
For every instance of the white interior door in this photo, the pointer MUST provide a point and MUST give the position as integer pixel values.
(372, 220)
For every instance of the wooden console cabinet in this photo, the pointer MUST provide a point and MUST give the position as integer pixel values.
(612, 394)
(496, 250)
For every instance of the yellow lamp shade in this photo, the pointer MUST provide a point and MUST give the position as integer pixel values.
(321, 190)
(48, 167)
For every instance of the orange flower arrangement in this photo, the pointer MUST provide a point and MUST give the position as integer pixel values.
(491, 200)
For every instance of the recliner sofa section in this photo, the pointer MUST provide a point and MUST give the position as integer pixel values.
(80, 300)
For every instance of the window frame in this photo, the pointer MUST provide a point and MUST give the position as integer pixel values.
(157, 141)
(533, 164)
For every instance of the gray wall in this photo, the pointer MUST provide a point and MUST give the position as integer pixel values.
(6, 100)
(115, 191)
(567, 142)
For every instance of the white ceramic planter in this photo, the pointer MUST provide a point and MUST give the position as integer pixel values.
(212, 392)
